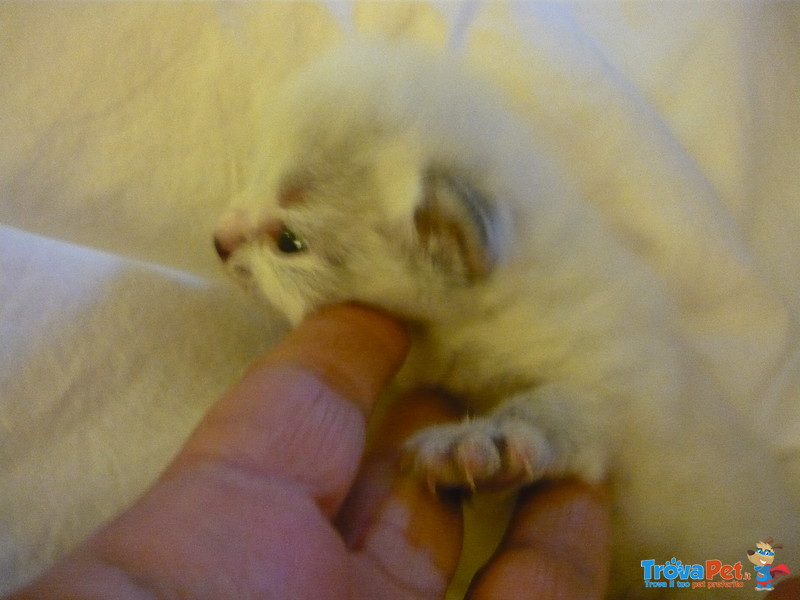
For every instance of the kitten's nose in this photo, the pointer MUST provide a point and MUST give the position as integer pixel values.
(223, 249)
(229, 235)
(227, 239)
(235, 230)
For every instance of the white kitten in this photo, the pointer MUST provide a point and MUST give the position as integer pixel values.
(392, 178)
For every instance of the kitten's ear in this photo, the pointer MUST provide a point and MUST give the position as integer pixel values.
(456, 227)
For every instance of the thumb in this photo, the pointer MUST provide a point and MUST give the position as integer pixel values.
(298, 415)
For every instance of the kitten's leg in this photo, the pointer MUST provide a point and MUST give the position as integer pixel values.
(551, 431)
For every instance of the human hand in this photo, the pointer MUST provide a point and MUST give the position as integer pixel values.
(265, 499)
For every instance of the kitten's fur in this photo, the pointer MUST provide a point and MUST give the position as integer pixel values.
(392, 178)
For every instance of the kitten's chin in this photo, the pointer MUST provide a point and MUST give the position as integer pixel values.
(296, 317)
(290, 311)
(293, 313)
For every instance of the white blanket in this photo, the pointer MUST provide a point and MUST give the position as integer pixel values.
(124, 129)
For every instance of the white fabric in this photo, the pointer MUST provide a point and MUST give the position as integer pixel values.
(125, 127)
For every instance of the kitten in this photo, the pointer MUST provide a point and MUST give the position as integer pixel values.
(394, 178)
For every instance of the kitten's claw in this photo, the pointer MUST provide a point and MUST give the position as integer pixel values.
(478, 453)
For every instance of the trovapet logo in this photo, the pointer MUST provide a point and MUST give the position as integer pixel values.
(709, 574)
(716, 574)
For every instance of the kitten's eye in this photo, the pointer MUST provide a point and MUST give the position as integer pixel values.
(289, 243)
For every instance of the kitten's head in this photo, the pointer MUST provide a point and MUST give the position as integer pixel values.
(359, 196)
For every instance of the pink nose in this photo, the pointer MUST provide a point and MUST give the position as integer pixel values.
(231, 232)
(225, 246)
(234, 231)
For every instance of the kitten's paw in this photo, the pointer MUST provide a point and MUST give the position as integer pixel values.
(478, 453)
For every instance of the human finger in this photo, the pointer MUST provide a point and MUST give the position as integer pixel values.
(557, 547)
(391, 519)
(353, 348)
(298, 414)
